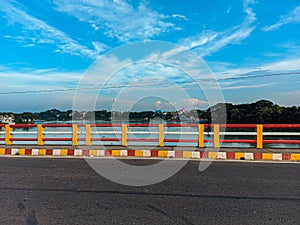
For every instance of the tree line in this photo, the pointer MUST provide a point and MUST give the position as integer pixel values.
(262, 111)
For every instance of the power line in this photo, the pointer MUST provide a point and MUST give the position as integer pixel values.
(111, 86)
(261, 75)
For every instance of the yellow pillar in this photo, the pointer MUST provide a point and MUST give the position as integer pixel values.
(8, 134)
(259, 137)
(216, 136)
(88, 134)
(124, 135)
(40, 134)
(201, 135)
(161, 138)
(75, 135)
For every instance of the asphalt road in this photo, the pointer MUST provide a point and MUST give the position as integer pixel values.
(67, 191)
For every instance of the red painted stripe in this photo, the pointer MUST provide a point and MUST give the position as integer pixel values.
(56, 125)
(106, 125)
(108, 152)
(201, 154)
(85, 152)
(238, 141)
(143, 139)
(181, 140)
(230, 155)
(28, 151)
(154, 153)
(8, 151)
(70, 151)
(182, 125)
(57, 139)
(106, 139)
(286, 156)
(131, 152)
(22, 125)
(142, 125)
(179, 154)
(23, 139)
(204, 155)
(281, 125)
(237, 125)
(257, 156)
(281, 141)
(49, 151)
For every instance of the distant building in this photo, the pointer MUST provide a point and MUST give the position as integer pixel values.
(10, 119)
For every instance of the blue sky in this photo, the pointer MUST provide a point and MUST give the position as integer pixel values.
(251, 47)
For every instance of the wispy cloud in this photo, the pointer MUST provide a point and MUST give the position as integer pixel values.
(292, 93)
(251, 86)
(30, 79)
(264, 80)
(285, 66)
(196, 102)
(208, 42)
(274, 76)
(179, 16)
(37, 32)
(118, 19)
(291, 17)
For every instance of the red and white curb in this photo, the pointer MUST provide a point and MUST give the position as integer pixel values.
(153, 153)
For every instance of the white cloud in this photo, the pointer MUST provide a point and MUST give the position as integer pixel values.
(179, 16)
(271, 75)
(118, 19)
(202, 39)
(30, 79)
(209, 41)
(284, 65)
(157, 104)
(38, 32)
(196, 101)
(250, 86)
(291, 17)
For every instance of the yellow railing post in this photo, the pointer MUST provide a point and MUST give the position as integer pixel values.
(8, 134)
(201, 135)
(75, 135)
(216, 136)
(161, 138)
(88, 134)
(40, 134)
(259, 137)
(124, 135)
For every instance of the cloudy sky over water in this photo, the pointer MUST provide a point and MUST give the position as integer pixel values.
(252, 47)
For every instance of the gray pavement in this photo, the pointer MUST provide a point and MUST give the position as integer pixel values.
(67, 191)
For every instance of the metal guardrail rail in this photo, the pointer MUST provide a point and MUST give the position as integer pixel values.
(89, 134)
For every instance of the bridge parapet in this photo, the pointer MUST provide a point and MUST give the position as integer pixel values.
(161, 135)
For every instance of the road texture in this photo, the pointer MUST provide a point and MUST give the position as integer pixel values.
(67, 191)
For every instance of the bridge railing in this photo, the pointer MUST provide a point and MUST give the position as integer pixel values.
(200, 135)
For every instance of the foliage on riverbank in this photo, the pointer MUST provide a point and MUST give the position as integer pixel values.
(262, 111)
